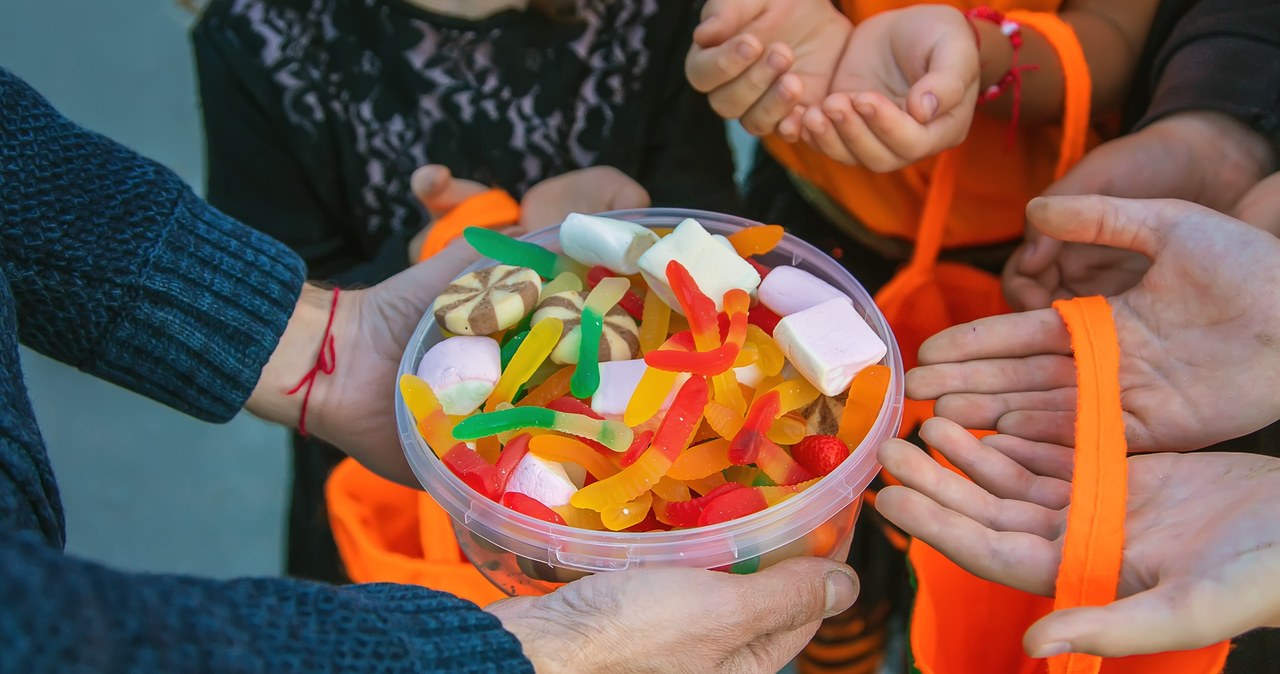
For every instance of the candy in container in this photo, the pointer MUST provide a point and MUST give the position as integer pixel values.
(636, 468)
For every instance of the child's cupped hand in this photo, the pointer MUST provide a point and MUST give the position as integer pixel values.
(905, 89)
(899, 87)
(766, 88)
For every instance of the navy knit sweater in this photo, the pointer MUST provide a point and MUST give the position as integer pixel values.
(109, 263)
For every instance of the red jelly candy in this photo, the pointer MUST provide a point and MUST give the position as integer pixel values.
(732, 505)
(820, 453)
(479, 474)
(638, 447)
(762, 270)
(512, 453)
(687, 513)
(763, 318)
(527, 505)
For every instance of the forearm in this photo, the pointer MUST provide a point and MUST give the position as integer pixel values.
(1110, 42)
(118, 269)
(62, 614)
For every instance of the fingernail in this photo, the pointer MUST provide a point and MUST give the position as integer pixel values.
(1050, 650)
(777, 61)
(842, 590)
(746, 50)
(930, 103)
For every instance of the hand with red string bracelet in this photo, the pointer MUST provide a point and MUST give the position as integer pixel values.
(332, 373)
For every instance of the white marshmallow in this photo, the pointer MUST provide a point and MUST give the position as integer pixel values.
(616, 244)
(462, 372)
(787, 290)
(715, 268)
(542, 480)
(829, 344)
(724, 241)
(748, 375)
(618, 381)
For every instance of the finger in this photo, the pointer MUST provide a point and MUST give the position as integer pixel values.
(1137, 225)
(947, 83)
(1006, 336)
(791, 594)
(439, 191)
(1056, 428)
(709, 69)
(789, 127)
(916, 470)
(1040, 458)
(1169, 617)
(1039, 252)
(771, 653)
(1022, 290)
(994, 375)
(733, 99)
(823, 137)
(628, 195)
(851, 125)
(1021, 561)
(982, 411)
(722, 19)
(905, 138)
(779, 103)
(999, 474)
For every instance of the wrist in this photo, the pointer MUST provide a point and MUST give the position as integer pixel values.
(534, 631)
(297, 354)
(995, 52)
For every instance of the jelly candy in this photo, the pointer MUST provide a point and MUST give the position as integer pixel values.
(612, 434)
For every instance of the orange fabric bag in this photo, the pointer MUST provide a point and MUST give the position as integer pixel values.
(387, 533)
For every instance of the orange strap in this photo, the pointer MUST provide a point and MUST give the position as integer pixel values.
(494, 208)
(1077, 96)
(1094, 541)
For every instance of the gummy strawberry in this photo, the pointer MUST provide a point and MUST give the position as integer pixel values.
(820, 453)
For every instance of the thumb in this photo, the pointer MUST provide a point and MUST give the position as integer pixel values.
(437, 189)
(792, 594)
(1158, 620)
(952, 71)
(1137, 225)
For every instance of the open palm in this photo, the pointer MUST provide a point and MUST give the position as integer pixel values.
(1199, 335)
(1201, 550)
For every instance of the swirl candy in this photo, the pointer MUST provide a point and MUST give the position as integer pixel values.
(487, 300)
(620, 337)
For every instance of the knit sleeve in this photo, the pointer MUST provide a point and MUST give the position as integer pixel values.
(69, 616)
(117, 268)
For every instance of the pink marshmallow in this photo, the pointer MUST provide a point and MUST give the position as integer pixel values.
(787, 290)
(462, 372)
(829, 344)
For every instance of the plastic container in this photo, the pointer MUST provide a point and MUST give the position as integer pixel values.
(526, 556)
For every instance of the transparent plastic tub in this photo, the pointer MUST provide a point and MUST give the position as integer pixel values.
(526, 556)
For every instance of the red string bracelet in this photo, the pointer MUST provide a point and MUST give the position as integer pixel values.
(326, 362)
(1011, 79)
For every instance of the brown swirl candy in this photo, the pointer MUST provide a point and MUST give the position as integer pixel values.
(619, 341)
(487, 300)
(822, 416)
